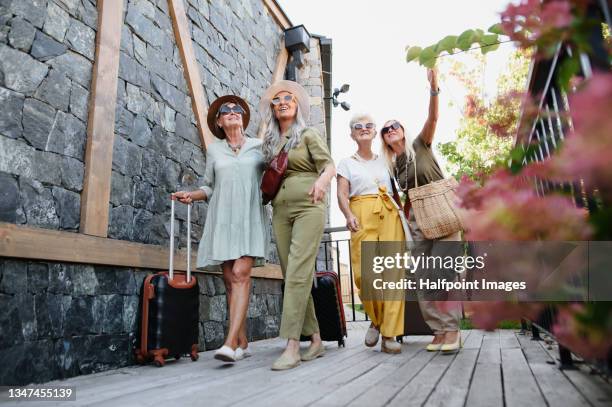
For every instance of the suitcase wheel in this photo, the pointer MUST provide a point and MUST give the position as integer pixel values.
(194, 353)
(399, 338)
(139, 357)
(341, 343)
(159, 361)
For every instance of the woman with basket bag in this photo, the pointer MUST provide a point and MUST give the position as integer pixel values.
(431, 214)
(298, 205)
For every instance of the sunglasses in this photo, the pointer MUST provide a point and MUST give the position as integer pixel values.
(225, 110)
(394, 126)
(277, 100)
(359, 126)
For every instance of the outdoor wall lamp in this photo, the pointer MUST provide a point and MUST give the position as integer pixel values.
(343, 89)
(297, 42)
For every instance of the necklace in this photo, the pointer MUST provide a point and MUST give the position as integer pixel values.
(235, 148)
(397, 175)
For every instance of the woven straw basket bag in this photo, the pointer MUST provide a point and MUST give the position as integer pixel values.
(435, 208)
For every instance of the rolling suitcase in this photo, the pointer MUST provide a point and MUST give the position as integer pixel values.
(169, 310)
(414, 324)
(329, 309)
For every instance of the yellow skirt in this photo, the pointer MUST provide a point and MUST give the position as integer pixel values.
(380, 221)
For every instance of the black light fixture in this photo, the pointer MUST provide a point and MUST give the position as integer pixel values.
(343, 89)
(297, 42)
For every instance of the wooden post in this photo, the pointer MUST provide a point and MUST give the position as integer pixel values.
(277, 75)
(190, 68)
(101, 122)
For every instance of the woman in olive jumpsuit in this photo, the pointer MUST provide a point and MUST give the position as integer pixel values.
(298, 212)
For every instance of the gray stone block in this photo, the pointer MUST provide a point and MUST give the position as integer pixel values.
(72, 172)
(38, 120)
(141, 133)
(169, 93)
(144, 196)
(213, 334)
(129, 313)
(121, 223)
(84, 280)
(14, 277)
(110, 320)
(142, 226)
(131, 71)
(75, 66)
(168, 122)
(45, 47)
(38, 278)
(127, 43)
(68, 208)
(21, 72)
(81, 316)
(140, 50)
(127, 157)
(151, 164)
(81, 38)
(38, 204)
(32, 10)
(68, 136)
(124, 121)
(9, 198)
(121, 189)
(10, 114)
(57, 22)
(170, 175)
(79, 98)
(22, 34)
(43, 319)
(88, 13)
(55, 90)
(58, 306)
(60, 278)
(144, 27)
(70, 5)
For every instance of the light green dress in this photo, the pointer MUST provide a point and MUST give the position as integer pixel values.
(236, 222)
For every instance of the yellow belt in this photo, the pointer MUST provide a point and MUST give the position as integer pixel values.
(382, 199)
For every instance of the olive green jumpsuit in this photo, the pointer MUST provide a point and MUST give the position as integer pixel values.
(298, 226)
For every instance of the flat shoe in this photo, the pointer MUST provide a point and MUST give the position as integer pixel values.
(452, 347)
(371, 337)
(285, 363)
(312, 354)
(390, 346)
(225, 354)
(240, 353)
(433, 347)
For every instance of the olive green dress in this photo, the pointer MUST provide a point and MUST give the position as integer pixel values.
(298, 226)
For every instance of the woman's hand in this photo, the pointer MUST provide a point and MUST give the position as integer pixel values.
(352, 223)
(318, 190)
(183, 197)
(432, 77)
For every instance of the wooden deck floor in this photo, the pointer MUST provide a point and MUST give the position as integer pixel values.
(493, 369)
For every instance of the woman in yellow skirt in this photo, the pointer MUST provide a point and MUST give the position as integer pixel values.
(364, 185)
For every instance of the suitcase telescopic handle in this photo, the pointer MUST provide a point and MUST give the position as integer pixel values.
(171, 261)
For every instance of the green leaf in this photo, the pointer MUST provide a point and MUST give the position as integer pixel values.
(567, 69)
(489, 42)
(496, 29)
(489, 48)
(448, 44)
(428, 56)
(465, 40)
(413, 53)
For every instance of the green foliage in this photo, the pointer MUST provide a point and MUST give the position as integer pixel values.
(484, 140)
(427, 56)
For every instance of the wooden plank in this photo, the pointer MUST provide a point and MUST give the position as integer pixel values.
(474, 340)
(557, 389)
(101, 121)
(592, 387)
(453, 388)
(51, 245)
(277, 75)
(190, 69)
(278, 14)
(520, 387)
(486, 386)
(418, 389)
(508, 339)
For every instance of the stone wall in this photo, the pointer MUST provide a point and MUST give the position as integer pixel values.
(65, 319)
(60, 320)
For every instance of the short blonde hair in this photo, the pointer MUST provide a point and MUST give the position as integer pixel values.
(359, 117)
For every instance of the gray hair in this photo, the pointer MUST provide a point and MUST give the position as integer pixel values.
(272, 136)
(359, 117)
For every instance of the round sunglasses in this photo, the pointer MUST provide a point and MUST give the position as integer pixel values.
(277, 100)
(359, 126)
(225, 110)
(394, 126)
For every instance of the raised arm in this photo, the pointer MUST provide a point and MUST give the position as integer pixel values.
(429, 129)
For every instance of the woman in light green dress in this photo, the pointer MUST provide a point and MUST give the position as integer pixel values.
(235, 235)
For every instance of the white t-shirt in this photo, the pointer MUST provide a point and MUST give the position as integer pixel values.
(364, 177)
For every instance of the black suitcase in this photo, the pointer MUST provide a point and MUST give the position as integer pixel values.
(414, 324)
(329, 309)
(169, 310)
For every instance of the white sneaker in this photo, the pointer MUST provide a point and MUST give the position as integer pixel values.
(225, 354)
(247, 352)
(371, 337)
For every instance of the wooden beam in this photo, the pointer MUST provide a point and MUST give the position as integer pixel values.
(190, 69)
(278, 14)
(51, 245)
(101, 121)
(279, 73)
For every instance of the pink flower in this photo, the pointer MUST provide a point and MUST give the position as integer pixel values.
(586, 340)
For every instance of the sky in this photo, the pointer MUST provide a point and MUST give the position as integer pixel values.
(368, 50)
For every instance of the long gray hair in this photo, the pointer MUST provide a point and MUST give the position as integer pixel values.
(272, 136)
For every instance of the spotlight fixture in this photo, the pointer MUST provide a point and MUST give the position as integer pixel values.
(343, 89)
